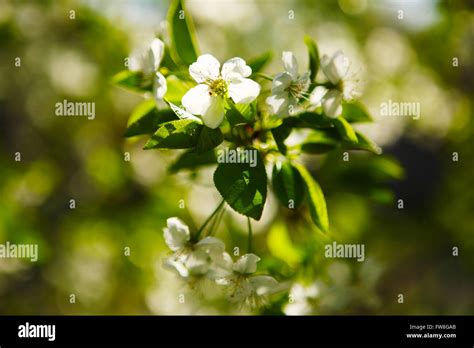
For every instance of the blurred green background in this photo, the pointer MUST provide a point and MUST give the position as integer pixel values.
(122, 204)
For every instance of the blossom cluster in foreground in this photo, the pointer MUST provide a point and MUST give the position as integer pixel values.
(207, 259)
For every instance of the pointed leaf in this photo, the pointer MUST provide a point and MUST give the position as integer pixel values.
(288, 185)
(182, 34)
(179, 134)
(313, 57)
(363, 143)
(316, 200)
(182, 114)
(132, 80)
(243, 186)
(345, 130)
(355, 112)
(192, 160)
(280, 134)
(146, 118)
(321, 141)
(209, 139)
(259, 62)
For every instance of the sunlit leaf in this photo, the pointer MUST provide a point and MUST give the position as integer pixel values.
(364, 143)
(321, 141)
(181, 31)
(183, 114)
(345, 130)
(179, 134)
(146, 118)
(132, 81)
(316, 200)
(355, 112)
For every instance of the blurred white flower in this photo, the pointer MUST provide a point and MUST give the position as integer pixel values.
(336, 69)
(243, 286)
(207, 98)
(191, 259)
(302, 299)
(148, 62)
(288, 87)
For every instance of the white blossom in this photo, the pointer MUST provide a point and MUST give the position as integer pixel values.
(336, 69)
(190, 259)
(243, 286)
(147, 61)
(302, 298)
(288, 87)
(215, 85)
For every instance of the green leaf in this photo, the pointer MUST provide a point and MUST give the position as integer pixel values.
(242, 186)
(363, 143)
(288, 185)
(259, 62)
(239, 114)
(181, 31)
(179, 134)
(280, 134)
(182, 114)
(355, 112)
(209, 139)
(247, 110)
(176, 89)
(168, 61)
(316, 200)
(321, 141)
(132, 81)
(146, 118)
(312, 120)
(345, 130)
(313, 57)
(234, 116)
(192, 160)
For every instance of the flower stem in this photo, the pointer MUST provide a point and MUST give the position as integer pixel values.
(249, 245)
(264, 76)
(216, 222)
(198, 233)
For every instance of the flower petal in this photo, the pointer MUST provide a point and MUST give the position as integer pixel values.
(316, 96)
(177, 266)
(197, 100)
(263, 285)
(332, 103)
(197, 263)
(281, 104)
(211, 245)
(176, 233)
(246, 264)
(243, 90)
(157, 48)
(213, 116)
(335, 68)
(281, 82)
(289, 63)
(205, 68)
(235, 68)
(159, 86)
(221, 267)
